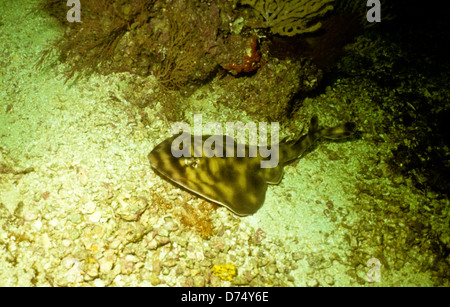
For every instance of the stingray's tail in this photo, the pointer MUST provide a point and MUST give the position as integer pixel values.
(292, 150)
(338, 132)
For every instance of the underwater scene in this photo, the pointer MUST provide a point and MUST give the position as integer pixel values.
(224, 143)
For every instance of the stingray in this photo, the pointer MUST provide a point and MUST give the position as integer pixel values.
(238, 182)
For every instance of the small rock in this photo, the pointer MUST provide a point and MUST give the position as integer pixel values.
(263, 261)
(92, 269)
(129, 263)
(180, 270)
(250, 275)
(163, 232)
(240, 281)
(99, 283)
(128, 207)
(162, 240)
(4, 212)
(194, 272)
(106, 264)
(199, 281)
(170, 226)
(88, 208)
(215, 281)
(30, 216)
(153, 244)
(298, 255)
(271, 269)
(205, 263)
(37, 225)
(329, 280)
(83, 176)
(188, 282)
(154, 279)
(95, 217)
(312, 283)
(169, 263)
(74, 218)
(156, 264)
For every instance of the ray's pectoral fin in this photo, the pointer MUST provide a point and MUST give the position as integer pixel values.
(272, 175)
(248, 199)
(238, 185)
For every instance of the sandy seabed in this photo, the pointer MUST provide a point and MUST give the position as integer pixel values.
(80, 204)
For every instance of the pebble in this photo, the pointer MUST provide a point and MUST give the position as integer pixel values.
(74, 233)
(329, 280)
(106, 264)
(153, 244)
(74, 218)
(194, 272)
(95, 217)
(271, 269)
(170, 226)
(154, 279)
(99, 283)
(240, 281)
(312, 283)
(30, 215)
(128, 207)
(263, 261)
(169, 263)
(205, 263)
(45, 241)
(199, 281)
(37, 225)
(92, 269)
(298, 255)
(88, 208)
(162, 240)
(163, 232)
(83, 176)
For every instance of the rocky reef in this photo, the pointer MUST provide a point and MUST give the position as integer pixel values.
(187, 44)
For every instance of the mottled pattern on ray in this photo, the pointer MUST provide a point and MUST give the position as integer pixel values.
(238, 183)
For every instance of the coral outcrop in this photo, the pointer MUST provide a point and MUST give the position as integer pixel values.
(176, 43)
(270, 93)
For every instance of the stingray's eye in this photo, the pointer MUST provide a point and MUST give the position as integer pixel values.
(191, 162)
